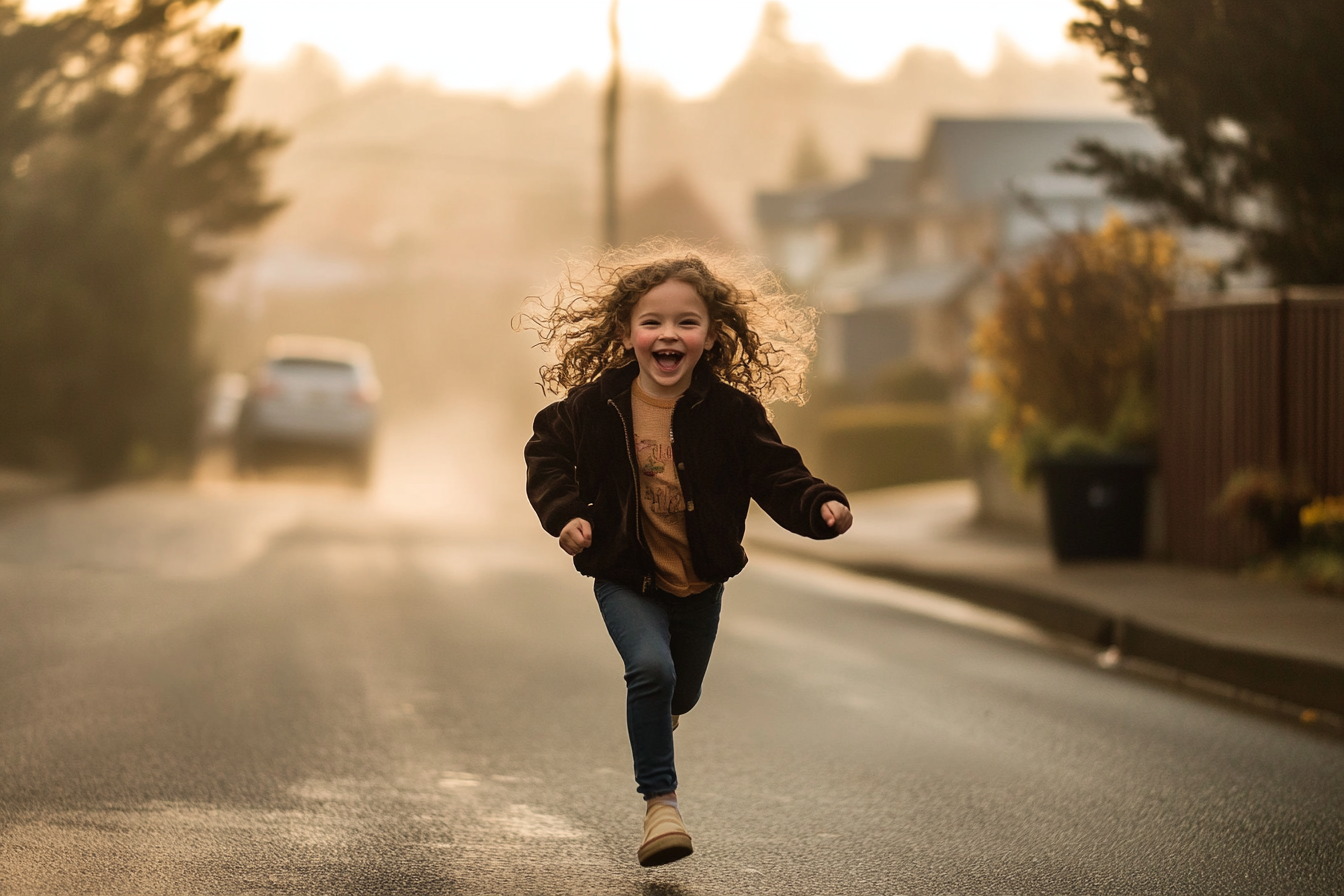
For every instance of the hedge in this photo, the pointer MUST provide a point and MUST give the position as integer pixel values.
(877, 445)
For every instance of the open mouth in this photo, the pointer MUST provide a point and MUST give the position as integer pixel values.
(668, 361)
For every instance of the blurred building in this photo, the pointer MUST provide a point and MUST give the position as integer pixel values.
(902, 261)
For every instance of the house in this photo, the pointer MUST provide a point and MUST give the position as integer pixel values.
(902, 261)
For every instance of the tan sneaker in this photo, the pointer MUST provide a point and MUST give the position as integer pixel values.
(665, 837)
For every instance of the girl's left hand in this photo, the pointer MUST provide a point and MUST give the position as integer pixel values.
(837, 516)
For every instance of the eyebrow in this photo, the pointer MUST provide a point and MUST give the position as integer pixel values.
(680, 314)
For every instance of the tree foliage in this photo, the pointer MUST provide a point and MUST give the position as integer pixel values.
(120, 186)
(1250, 92)
(1071, 350)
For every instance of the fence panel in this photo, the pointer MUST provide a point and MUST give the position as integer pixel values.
(1242, 385)
(1314, 428)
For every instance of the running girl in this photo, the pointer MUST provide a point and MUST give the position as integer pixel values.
(645, 471)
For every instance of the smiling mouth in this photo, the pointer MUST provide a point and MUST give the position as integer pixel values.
(667, 361)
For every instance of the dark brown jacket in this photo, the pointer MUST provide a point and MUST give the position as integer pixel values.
(581, 464)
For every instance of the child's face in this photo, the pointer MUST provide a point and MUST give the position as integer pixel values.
(669, 330)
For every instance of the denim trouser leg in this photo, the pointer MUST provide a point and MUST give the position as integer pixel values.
(665, 642)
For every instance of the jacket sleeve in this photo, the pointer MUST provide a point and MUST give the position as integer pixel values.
(781, 484)
(552, 463)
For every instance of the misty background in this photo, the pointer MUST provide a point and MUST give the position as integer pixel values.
(419, 219)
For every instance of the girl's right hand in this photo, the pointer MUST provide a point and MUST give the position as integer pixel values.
(577, 535)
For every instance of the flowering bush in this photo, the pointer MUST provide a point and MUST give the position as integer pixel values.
(1306, 533)
(1323, 523)
(1322, 563)
(1270, 498)
(1071, 349)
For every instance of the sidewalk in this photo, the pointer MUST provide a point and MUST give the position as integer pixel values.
(1270, 639)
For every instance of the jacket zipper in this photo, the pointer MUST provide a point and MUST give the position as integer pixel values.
(634, 475)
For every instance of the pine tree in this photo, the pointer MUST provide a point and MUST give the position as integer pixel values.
(1250, 93)
(120, 186)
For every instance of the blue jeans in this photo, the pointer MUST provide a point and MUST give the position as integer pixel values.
(665, 642)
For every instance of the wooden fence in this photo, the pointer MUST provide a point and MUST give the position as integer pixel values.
(1253, 382)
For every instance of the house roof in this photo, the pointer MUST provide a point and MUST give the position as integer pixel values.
(925, 285)
(884, 192)
(1056, 186)
(974, 159)
(789, 207)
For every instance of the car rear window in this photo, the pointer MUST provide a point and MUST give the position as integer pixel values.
(315, 365)
(313, 370)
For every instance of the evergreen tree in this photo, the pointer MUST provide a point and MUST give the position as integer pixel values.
(120, 186)
(1250, 93)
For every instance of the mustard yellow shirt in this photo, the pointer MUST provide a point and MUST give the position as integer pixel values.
(660, 498)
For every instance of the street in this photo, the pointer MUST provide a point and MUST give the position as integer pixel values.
(291, 688)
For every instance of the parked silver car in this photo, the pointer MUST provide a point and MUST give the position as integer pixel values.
(310, 393)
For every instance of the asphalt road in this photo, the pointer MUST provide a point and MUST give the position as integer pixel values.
(283, 689)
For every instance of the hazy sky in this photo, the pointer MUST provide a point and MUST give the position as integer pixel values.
(523, 46)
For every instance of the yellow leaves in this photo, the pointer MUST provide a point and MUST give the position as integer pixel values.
(988, 336)
(1327, 511)
(1036, 297)
(984, 381)
(1075, 331)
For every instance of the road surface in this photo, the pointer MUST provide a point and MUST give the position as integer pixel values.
(276, 688)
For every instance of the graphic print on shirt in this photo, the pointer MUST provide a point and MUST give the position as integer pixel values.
(658, 479)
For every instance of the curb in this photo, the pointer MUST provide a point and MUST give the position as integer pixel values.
(1297, 680)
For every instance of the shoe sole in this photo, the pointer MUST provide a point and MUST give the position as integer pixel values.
(665, 849)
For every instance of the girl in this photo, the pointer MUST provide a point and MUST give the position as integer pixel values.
(645, 470)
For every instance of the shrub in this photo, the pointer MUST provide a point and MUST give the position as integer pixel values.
(1305, 534)
(1272, 499)
(1071, 349)
(1323, 523)
(912, 381)
(122, 183)
(878, 445)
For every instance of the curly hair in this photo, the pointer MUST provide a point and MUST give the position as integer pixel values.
(764, 337)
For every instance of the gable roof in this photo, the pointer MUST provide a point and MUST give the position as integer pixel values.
(974, 159)
(789, 207)
(926, 285)
(884, 192)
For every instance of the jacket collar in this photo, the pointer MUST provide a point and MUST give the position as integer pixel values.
(617, 380)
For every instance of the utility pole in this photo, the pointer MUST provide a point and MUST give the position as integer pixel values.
(610, 126)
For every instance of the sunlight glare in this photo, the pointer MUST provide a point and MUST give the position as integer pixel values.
(523, 47)
(864, 39)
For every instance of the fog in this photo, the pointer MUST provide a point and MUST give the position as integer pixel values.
(419, 220)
